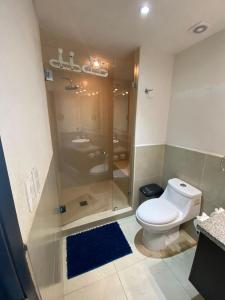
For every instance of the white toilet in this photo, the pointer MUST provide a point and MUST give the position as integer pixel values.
(161, 217)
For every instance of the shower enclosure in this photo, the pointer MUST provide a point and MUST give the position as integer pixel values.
(90, 124)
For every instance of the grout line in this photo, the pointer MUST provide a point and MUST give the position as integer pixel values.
(196, 150)
(203, 171)
(177, 278)
(122, 285)
(89, 284)
(131, 265)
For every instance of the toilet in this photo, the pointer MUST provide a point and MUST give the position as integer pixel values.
(161, 217)
(101, 169)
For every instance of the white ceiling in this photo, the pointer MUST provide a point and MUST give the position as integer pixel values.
(115, 26)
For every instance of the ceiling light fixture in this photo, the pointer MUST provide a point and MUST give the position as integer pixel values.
(200, 29)
(144, 10)
(96, 64)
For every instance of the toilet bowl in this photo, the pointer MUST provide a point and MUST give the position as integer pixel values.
(101, 169)
(161, 217)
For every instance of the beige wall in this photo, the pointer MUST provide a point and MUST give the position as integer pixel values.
(24, 126)
(197, 110)
(155, 72)
(196, 121)
(45, 243)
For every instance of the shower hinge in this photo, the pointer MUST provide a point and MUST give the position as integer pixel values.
(60, 209)
(134, 85)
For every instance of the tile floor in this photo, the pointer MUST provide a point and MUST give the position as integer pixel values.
(135, 276)
(100, 196)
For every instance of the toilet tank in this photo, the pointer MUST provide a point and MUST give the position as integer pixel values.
(184, 196)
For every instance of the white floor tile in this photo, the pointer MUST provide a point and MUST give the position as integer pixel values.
(180, 266)
(128, 260)
(109, 288)
(126, 220)
(145, 281)
(168, 284)
(88, 278)
(138, 283)
(130, 229)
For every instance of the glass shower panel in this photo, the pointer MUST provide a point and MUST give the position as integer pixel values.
(80, 109)
(121, 143)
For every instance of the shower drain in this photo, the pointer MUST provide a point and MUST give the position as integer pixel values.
(83, 203)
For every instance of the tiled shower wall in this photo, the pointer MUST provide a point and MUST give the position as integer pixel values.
(44, 244)
(159, 163)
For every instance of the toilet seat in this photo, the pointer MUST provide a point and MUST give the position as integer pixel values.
(157, 211)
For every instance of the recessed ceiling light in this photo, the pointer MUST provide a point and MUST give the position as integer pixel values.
(200, 29)
(144, 10)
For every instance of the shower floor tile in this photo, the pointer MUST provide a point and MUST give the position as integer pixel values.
(100, 196)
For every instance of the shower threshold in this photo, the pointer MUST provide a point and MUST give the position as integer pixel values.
(95, 220)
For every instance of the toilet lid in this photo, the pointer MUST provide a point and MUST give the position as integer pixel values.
(157, 211)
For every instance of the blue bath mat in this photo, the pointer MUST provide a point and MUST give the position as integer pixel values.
(94, 248)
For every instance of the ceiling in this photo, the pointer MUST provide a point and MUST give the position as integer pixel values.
(115, 26)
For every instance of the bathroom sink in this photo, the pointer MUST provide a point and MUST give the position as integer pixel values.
(80, 141)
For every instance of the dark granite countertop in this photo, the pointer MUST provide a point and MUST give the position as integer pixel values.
(214, 229)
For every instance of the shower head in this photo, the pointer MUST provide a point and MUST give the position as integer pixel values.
(71, 86)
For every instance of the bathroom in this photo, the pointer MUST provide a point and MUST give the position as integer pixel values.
(113, 97)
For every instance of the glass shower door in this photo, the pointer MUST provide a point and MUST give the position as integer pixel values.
(121, 143)
(81, 122)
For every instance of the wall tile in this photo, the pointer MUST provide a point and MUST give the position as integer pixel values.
(184, 164)
(213, 184)
(149, 161)
(148, 168)
(202, 171)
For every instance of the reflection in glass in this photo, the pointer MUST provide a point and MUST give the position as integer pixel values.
(89, 119)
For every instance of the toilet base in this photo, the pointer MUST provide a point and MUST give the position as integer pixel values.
(160, 241)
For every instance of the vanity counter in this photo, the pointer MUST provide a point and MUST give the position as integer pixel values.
(214, 229)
